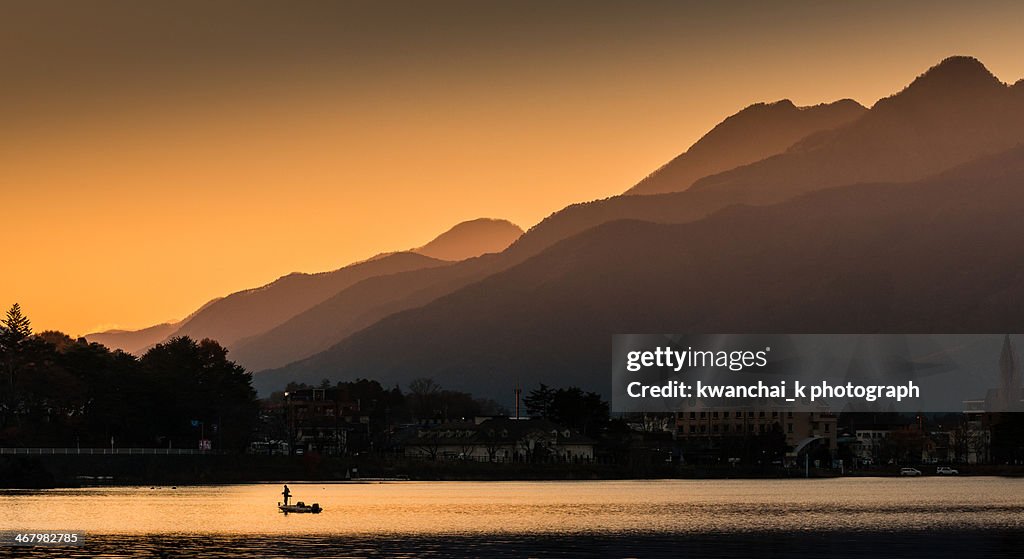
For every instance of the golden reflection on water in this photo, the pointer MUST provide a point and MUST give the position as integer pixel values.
(598, 507)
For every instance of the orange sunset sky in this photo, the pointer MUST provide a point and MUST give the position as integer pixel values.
(155, 156)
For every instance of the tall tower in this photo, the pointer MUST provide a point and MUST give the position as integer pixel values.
(1009, 376)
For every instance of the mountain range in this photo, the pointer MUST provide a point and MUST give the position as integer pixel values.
(133, 341)
(833, 218)
(755, 133)
(932, 125)
(250, 312)
(940, 255)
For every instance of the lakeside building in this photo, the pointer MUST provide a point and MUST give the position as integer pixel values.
(975, 439)
(498, 440)
(988, 413)
(323, 420)
(798, 427)
(901, 440)
(883, 438)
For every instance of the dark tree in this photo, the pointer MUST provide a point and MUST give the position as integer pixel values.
(423, 397)
(427, 400)
(20, 356)
(16, 326)
(1008, 439)
(57, 391)
(583, 411)
(196, 384)
(539, 401)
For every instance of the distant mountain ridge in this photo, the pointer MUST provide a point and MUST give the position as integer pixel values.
(955, 112)
(591, 269)
(355, 308)
(246, 314)
(557, 278)
(138, 342)
(867, 258)
(932, 125)
(133, 341)
(252, 311)
(758, 131)
(470, 239)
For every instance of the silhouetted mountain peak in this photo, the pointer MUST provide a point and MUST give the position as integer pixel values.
(780, 105)
(472, 238)
(849, 104)
(955, 77)
(958, 68)
(786, 105)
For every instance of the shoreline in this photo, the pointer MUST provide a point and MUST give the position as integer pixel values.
(42, 472)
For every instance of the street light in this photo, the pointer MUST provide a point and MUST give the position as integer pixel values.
(289, 419)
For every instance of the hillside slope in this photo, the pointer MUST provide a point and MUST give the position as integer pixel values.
(938, 255)
(755, 133)
(954, 113)
(249, 312)
(470, 239)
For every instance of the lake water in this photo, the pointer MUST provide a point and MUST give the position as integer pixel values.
(843, 517)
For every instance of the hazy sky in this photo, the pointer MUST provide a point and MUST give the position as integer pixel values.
(154, 155)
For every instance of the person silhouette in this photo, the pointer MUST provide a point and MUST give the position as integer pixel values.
(287, 494)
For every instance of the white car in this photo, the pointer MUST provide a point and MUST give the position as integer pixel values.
(946, 471)
(910, 472)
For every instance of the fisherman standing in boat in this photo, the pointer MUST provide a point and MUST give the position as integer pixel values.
(287, 494)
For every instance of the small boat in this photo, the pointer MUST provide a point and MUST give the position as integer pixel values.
(300, 507)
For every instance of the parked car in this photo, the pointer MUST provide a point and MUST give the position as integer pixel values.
(946, 471)
(910, 472)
